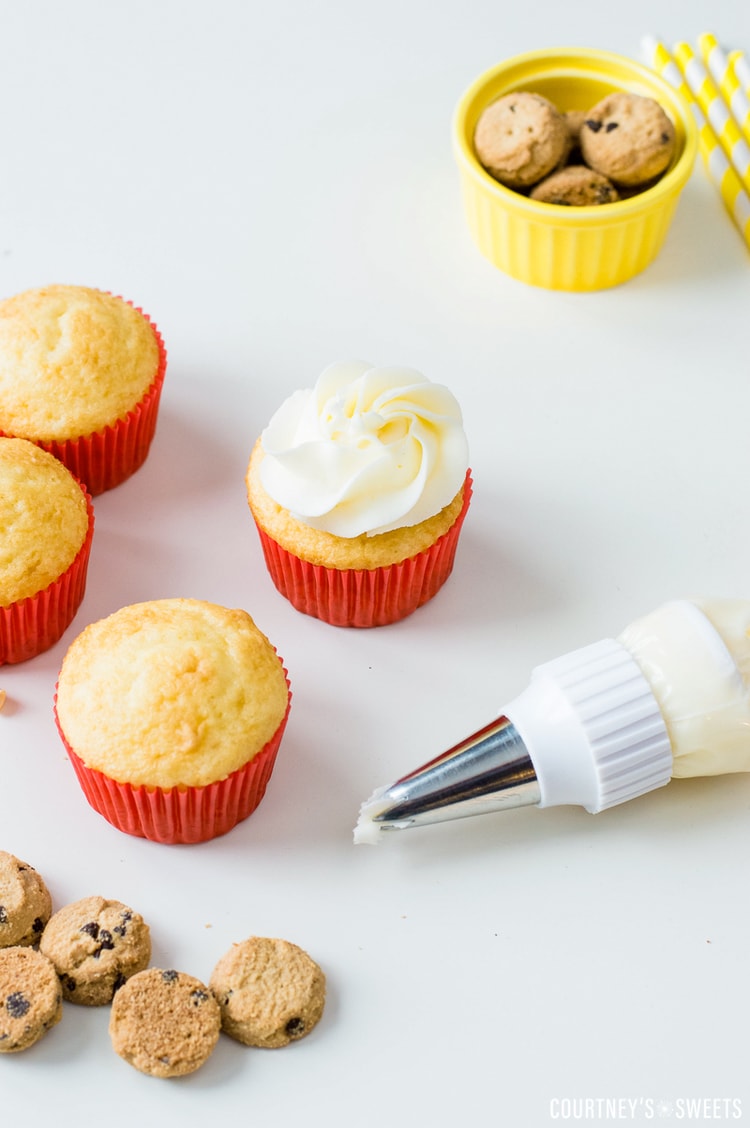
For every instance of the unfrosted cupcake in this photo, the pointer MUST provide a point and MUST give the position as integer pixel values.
(359, 488)
(46, 527)
(81, 373)
(172, 712)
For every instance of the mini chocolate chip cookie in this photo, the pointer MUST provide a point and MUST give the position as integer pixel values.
(164, 1022)
(30, 998)
(270, 992)
(521, 138)
(96, 945)
(25, 903)
(628, 138)
(575, 186)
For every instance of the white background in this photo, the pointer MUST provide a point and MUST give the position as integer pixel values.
(274, 184)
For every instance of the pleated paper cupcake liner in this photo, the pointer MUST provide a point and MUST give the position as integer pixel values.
(33, 625)
(105, 458)
(180, 816)
(365, 597)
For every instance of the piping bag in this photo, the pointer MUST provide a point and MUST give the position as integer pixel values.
(667, 698)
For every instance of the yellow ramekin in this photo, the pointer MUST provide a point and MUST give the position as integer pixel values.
(569, 248)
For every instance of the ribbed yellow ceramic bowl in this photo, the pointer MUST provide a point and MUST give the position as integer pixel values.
(569, 248)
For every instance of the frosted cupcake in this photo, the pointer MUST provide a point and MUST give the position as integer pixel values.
(359, 488)
(46, 528)
(81, 373)
(172, 712)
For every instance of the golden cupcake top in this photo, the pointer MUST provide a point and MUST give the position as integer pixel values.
(316, 546)
(73, 360)
(171, 693)
(43, 519)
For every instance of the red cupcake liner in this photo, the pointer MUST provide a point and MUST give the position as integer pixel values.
(106, 458)
(357, 597)
(180, 816)
(34, 624)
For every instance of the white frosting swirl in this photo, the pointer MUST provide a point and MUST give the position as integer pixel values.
(366, 450)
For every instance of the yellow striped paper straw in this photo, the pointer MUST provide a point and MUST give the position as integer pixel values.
(736, 199)
(725, 77)
(741, 67)
(711, 102)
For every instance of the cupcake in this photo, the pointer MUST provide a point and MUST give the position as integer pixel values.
(81, 373)
(359, 488)
(46, 527)
(172, 712)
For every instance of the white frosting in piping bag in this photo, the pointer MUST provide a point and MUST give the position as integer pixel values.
(695, 656)
(366, 450)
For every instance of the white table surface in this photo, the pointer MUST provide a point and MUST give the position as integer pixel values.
(275, 185)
